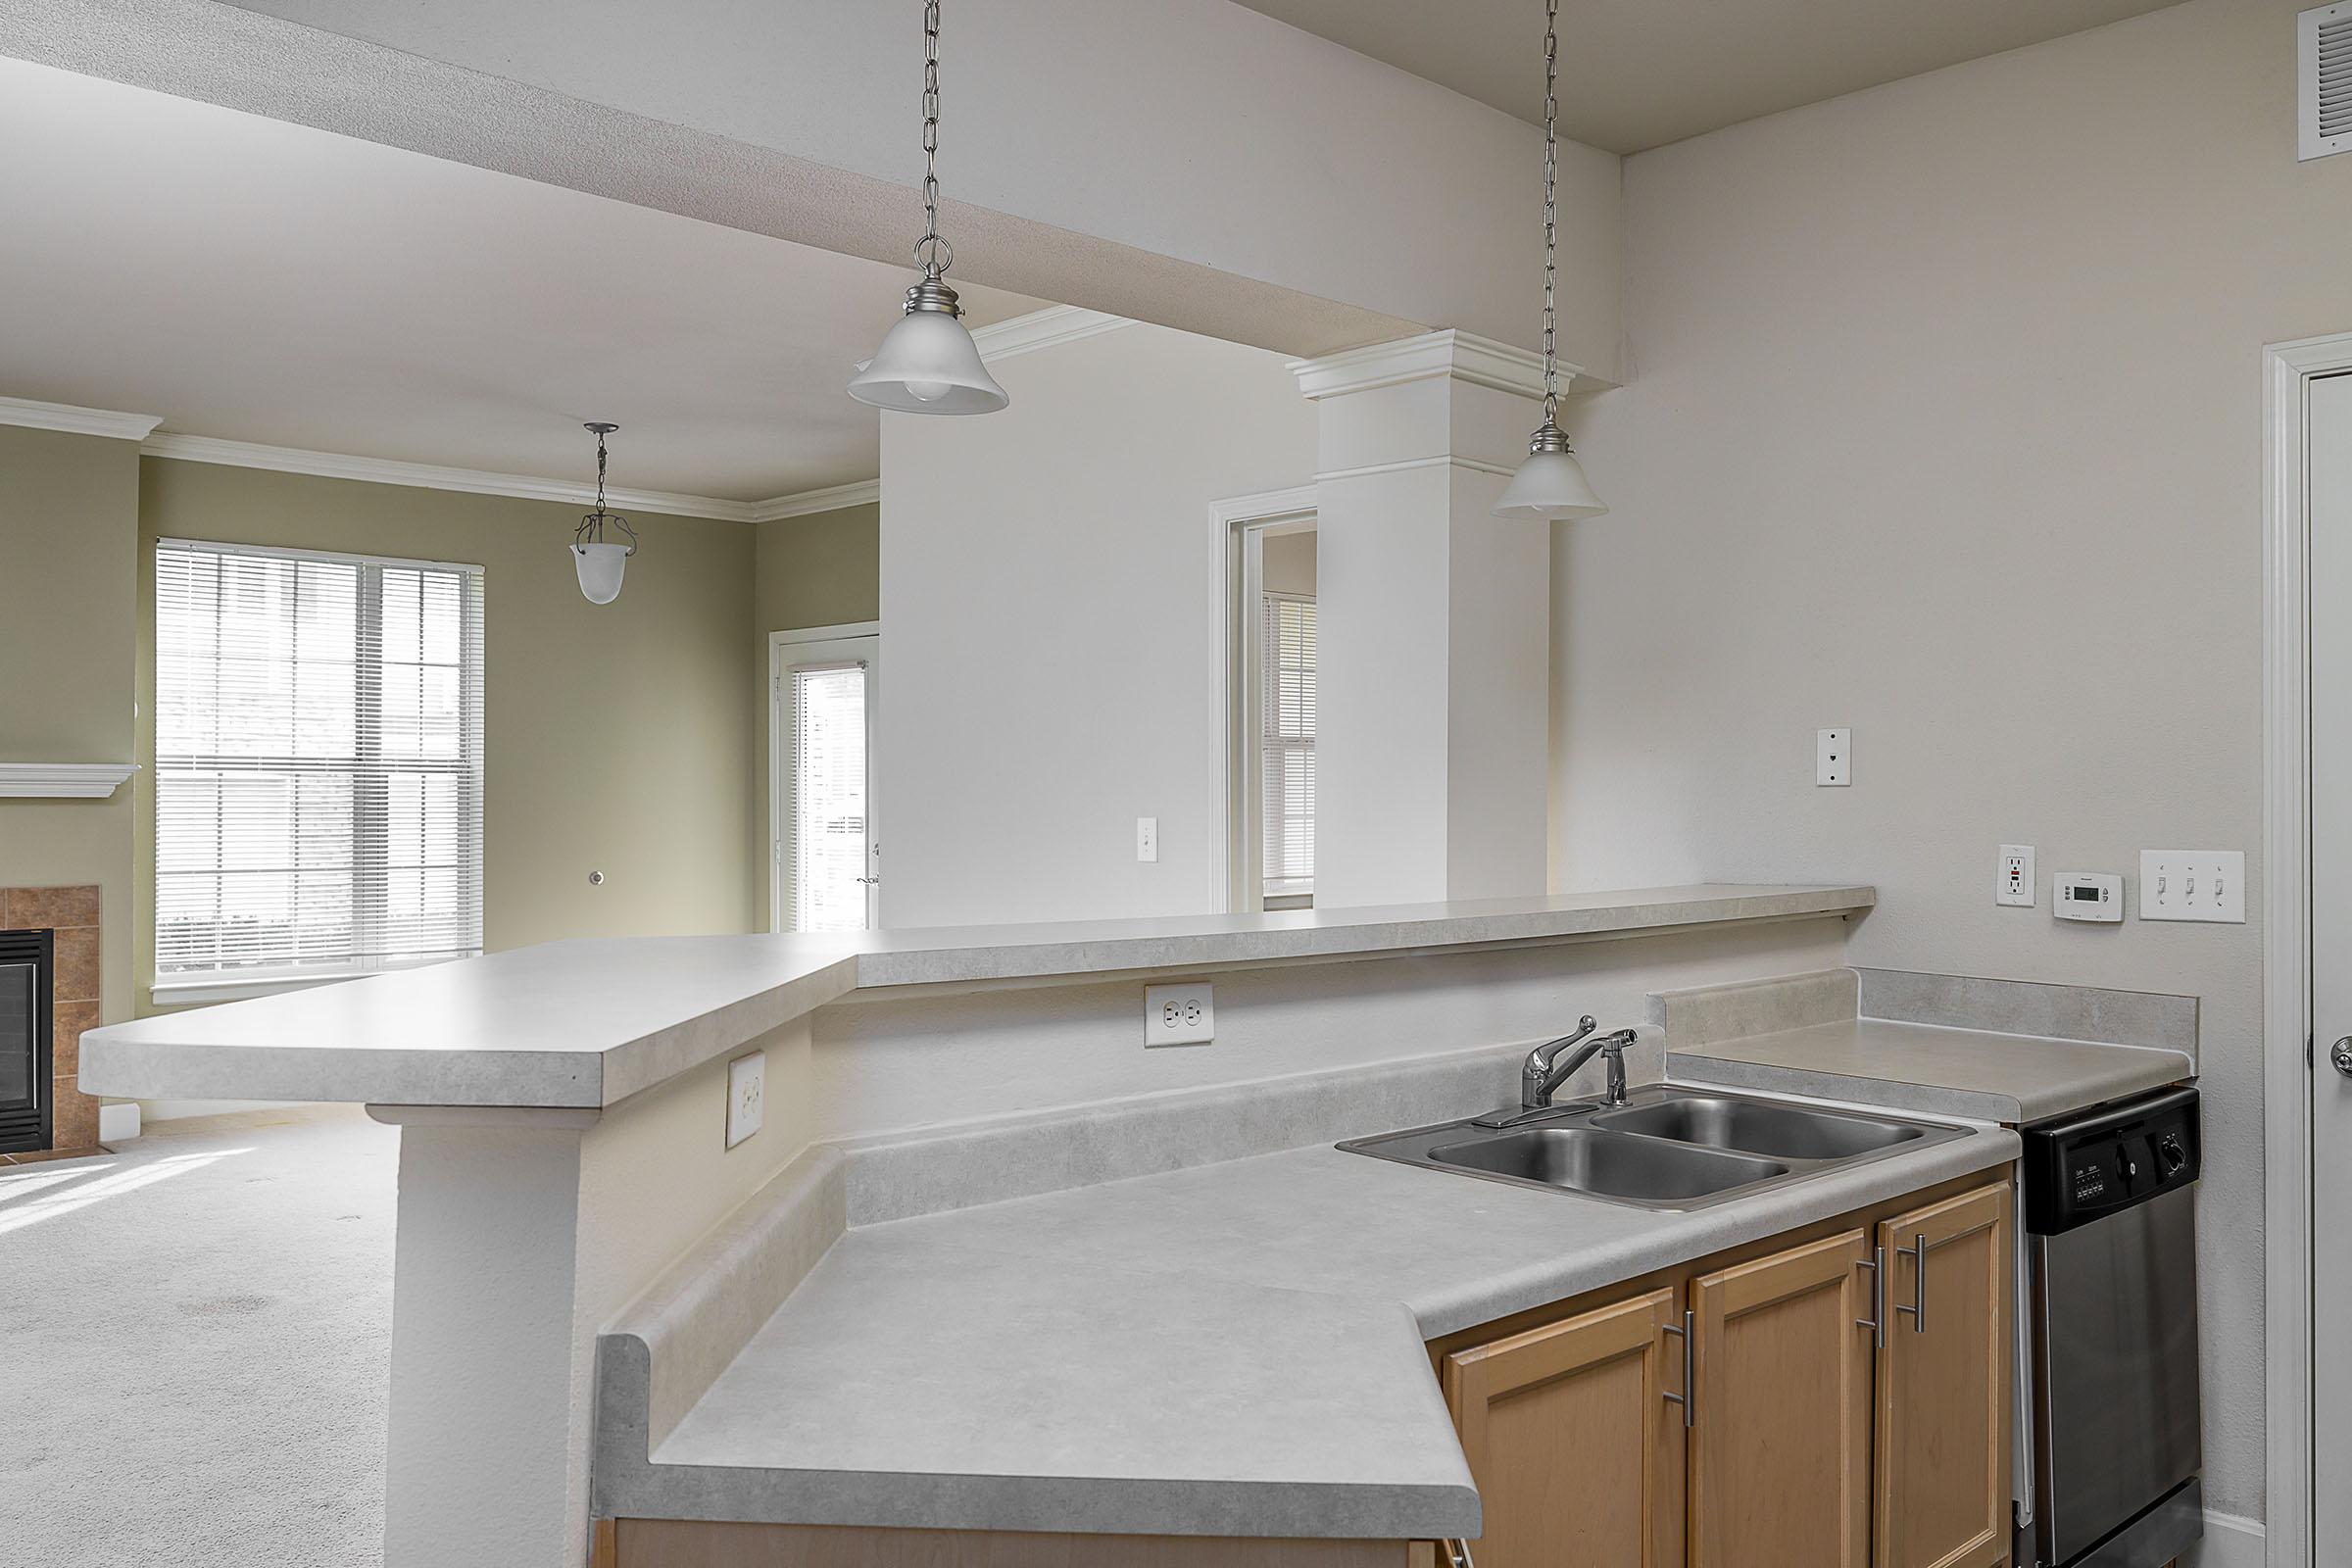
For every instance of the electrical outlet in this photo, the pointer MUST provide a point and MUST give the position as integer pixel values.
(2013, 882)
(747, 1095)
(2194, 884)
(1180, 1016)
(1833, 758)
(1147, 839)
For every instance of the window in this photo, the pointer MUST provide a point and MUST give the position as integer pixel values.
(317, 764)
(1286, 746)
(828, 875)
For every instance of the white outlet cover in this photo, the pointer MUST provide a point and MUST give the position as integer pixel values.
(1834, 757)
(1147, 839)
(1181, 1014)
(747, 1095)
(2206, 885)
(2013, 877)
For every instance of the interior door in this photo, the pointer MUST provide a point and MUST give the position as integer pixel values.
(2329, 434)
(826, 853)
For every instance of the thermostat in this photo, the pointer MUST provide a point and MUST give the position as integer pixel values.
(2087, 895)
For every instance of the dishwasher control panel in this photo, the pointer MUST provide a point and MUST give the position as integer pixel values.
(2083, 1167)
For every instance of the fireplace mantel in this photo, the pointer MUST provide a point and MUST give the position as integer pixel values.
(62, 781)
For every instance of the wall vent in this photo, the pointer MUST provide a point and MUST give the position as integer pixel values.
(2323, 81)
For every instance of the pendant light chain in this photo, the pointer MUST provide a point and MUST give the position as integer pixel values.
(927, 248)
(1551, 136)
(600, 473)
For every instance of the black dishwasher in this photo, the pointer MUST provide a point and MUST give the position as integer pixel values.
(2111, 1240)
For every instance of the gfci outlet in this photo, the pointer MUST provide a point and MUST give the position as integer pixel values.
(2194, 884)
(747, 1095)
(2013, 879)
(1833, 756)
(1180, 1016)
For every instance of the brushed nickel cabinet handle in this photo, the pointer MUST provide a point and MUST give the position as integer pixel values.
(1918, 1254)
(1876, 1262)
(1685, 1398)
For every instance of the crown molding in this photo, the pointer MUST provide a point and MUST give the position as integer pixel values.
(1043, 329)
(33, 416)
(428, 476)
(775, 508)
(1461, 355)
(62, 781)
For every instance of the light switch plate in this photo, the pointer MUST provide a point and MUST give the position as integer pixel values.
(1180, 1016)
(2194, 884)
(1833, 758)
(747, 1095)
(2013, 878)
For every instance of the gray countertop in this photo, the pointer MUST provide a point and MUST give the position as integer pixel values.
(1931, 1069)
(1234, 1348)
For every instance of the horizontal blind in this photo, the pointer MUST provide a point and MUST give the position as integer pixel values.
(1287, 745)
(828, 841)
(319, 763)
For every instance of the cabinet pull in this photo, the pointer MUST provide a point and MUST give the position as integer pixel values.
(1458, 1554)
(1876, 1262)
(1683, 1398)
(1918, 1254)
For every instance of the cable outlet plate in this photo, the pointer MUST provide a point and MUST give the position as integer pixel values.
(1833, 758)
(1180, 1016)
(2207, 885)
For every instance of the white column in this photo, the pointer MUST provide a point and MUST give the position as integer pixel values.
(1434, 626)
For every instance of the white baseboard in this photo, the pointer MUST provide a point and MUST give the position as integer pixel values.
(2231, 1541)
(174, 1109)
(118, 1123)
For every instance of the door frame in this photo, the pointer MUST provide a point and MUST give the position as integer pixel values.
(780, 645)
(2288, 368)
(1238, 525)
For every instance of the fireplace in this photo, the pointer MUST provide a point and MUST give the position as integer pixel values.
(28, 1040)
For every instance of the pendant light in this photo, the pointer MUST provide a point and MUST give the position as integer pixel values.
(599, 561)
(928, 364)
(1550, 483)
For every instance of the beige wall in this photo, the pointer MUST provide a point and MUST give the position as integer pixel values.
(1051, 626)
(617, 734)
(824, 570)
(1945, 425)
(69, 535)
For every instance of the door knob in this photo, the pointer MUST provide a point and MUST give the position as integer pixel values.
(2340, 1053)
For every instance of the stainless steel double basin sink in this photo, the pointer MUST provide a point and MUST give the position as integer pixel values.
(1669, 1147)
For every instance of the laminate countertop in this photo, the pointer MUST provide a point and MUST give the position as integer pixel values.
(1233, 1349)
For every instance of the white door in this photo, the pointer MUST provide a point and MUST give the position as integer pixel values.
(2330, 502)
(826, 861)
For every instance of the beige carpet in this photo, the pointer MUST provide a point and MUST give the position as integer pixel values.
(193, 1338)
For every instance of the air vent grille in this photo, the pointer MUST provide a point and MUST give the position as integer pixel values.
(2323, 118)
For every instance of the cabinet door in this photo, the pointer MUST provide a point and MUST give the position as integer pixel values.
(1780, 1451)
(1576, 1453)
(1943, 1385)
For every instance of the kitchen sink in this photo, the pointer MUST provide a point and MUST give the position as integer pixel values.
(1667, 1148)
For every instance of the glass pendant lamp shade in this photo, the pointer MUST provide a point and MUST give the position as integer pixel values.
(600, 568)
(928, 364)
(1550, 483)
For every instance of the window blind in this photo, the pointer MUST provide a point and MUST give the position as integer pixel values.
(319, 763)
(1287, 745)
(827, 846)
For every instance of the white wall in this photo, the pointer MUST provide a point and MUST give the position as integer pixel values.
(1051, 618)
(1945, 424)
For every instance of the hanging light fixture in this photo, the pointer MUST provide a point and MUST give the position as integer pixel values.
(928, 364)
(599, 561)
(1550, 483)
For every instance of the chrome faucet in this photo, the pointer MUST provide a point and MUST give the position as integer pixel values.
(1550, 1065)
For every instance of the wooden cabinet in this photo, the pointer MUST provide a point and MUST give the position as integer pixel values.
(1780, 1442)
(1577, 1451)
(1811, 1444)
(1944, 1380)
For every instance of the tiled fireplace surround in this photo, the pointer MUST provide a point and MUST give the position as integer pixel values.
(73, 913)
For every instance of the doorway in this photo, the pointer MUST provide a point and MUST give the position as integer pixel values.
(824, 856)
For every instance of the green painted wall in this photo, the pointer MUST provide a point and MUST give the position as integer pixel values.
(69, 539)
(617, 734)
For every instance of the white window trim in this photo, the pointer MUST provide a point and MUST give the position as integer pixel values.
(1237, 528)
(186, 990)
(780, 653)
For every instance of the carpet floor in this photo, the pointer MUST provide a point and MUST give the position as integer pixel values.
(195, 1332)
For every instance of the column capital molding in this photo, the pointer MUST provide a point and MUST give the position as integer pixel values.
(1456, 355)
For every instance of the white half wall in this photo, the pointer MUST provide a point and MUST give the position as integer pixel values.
(1053, 616)
(1947, 427)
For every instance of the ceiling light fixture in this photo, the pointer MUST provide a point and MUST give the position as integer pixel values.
(600, 564)
(928, 364)
(1550, 483)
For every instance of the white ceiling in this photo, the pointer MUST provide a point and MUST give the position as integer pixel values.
(259, 281)
(1639, 74)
